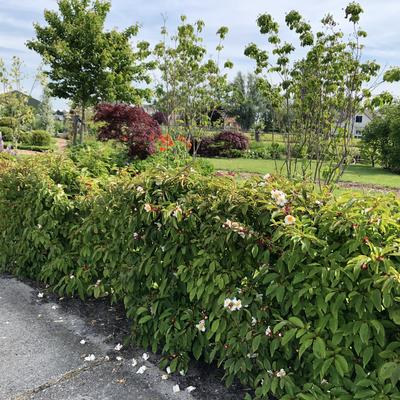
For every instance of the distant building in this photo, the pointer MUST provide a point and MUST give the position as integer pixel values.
(361, 120)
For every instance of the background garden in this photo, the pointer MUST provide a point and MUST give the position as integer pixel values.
(217, 213)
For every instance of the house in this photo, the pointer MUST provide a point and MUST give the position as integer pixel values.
(361, 120)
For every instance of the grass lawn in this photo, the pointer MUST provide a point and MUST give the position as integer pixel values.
(363, 174)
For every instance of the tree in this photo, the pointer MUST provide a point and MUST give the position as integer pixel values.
(87, 64)
(192, 85)
(381, 137)
(317, 96)
(248, 104)
(46, 116)
(14, 100)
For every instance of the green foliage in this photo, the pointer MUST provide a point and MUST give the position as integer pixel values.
(98, 159)
(381, 138)
(304, 308)
(40, 138)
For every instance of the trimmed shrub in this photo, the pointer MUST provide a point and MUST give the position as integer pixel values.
(222, 144)
(7, 121)
(7, 133)
(130, 125)
(160, 117)
(39, 138)
(294, 293)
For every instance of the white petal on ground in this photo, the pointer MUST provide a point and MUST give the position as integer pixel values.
(83, 341)
(141, 369)
(164, 377)
(168, 370)
(176, 389)
(145, 356)
(40, 295)
(118, 347)
(190, 389)
(119, 358)
(182, 372)
(134, 362)
(54, 307)
(92, 357)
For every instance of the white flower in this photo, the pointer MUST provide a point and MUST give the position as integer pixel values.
(279, 197)
(268, 331)
(140, 190)
(253, 355)
(135, 236)
(145, 356)
(164, 377)
(324, 382)
(201, 326)
(91, 357)
(253, 321)
(182, 372)
(148, 208)
(267, 177)
(232, 304)
(290, 220)
(168, 370)
(54, 307)
(71, 277)
(118, 347)
(281, 373)
(319, 203)
(40, 295)
(98, 283)
(134, 362)
(190, 389)
(262, 184)
(141, 369)
(39, 226)
(176, 389)
(158, 224)
(119, 358)
(83, 341)
(59, 186)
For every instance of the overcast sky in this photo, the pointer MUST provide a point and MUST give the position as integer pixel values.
(380, 20)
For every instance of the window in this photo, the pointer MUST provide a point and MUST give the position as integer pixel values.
(359, 119)
(358, 134)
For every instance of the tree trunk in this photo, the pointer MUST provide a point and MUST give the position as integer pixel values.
(257, 135)
(83, 125)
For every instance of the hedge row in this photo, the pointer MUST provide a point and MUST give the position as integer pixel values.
(293, 293)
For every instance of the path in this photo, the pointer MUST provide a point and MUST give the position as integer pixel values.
(41, 357)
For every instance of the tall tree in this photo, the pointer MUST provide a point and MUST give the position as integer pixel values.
(248, 104)
(46, 116)
(87, 64)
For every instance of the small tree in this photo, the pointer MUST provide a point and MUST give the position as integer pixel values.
(192, 85)
(86, 64)
(14, 99)
(46, 115)
(319, 95)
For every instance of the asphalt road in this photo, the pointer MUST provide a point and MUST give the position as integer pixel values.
(42, 358)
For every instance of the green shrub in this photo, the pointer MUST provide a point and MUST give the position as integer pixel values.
(98, 158)
(7, 122)
(25, 138)
(7, 133)
(296, 295)
(40, 138)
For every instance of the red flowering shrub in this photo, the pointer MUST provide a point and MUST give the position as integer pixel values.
(221, 144)
(160, 117)
(131, 125)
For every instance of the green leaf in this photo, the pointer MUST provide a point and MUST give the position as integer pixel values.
(319, 348)
(297, 322)
(341, 365)
(256, 343)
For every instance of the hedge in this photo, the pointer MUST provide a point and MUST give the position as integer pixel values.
(294, 293)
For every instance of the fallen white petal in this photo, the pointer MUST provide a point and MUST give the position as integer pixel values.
(40, 295)
(164, 377)
(141, 369)
(92, 357)
(118, 347)
(119, 358)
(134, 362)
(145, 356)
(176, 389)
(168, 370)
(182, 372)
(190, 389)
(54, 307)
(83, 341)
